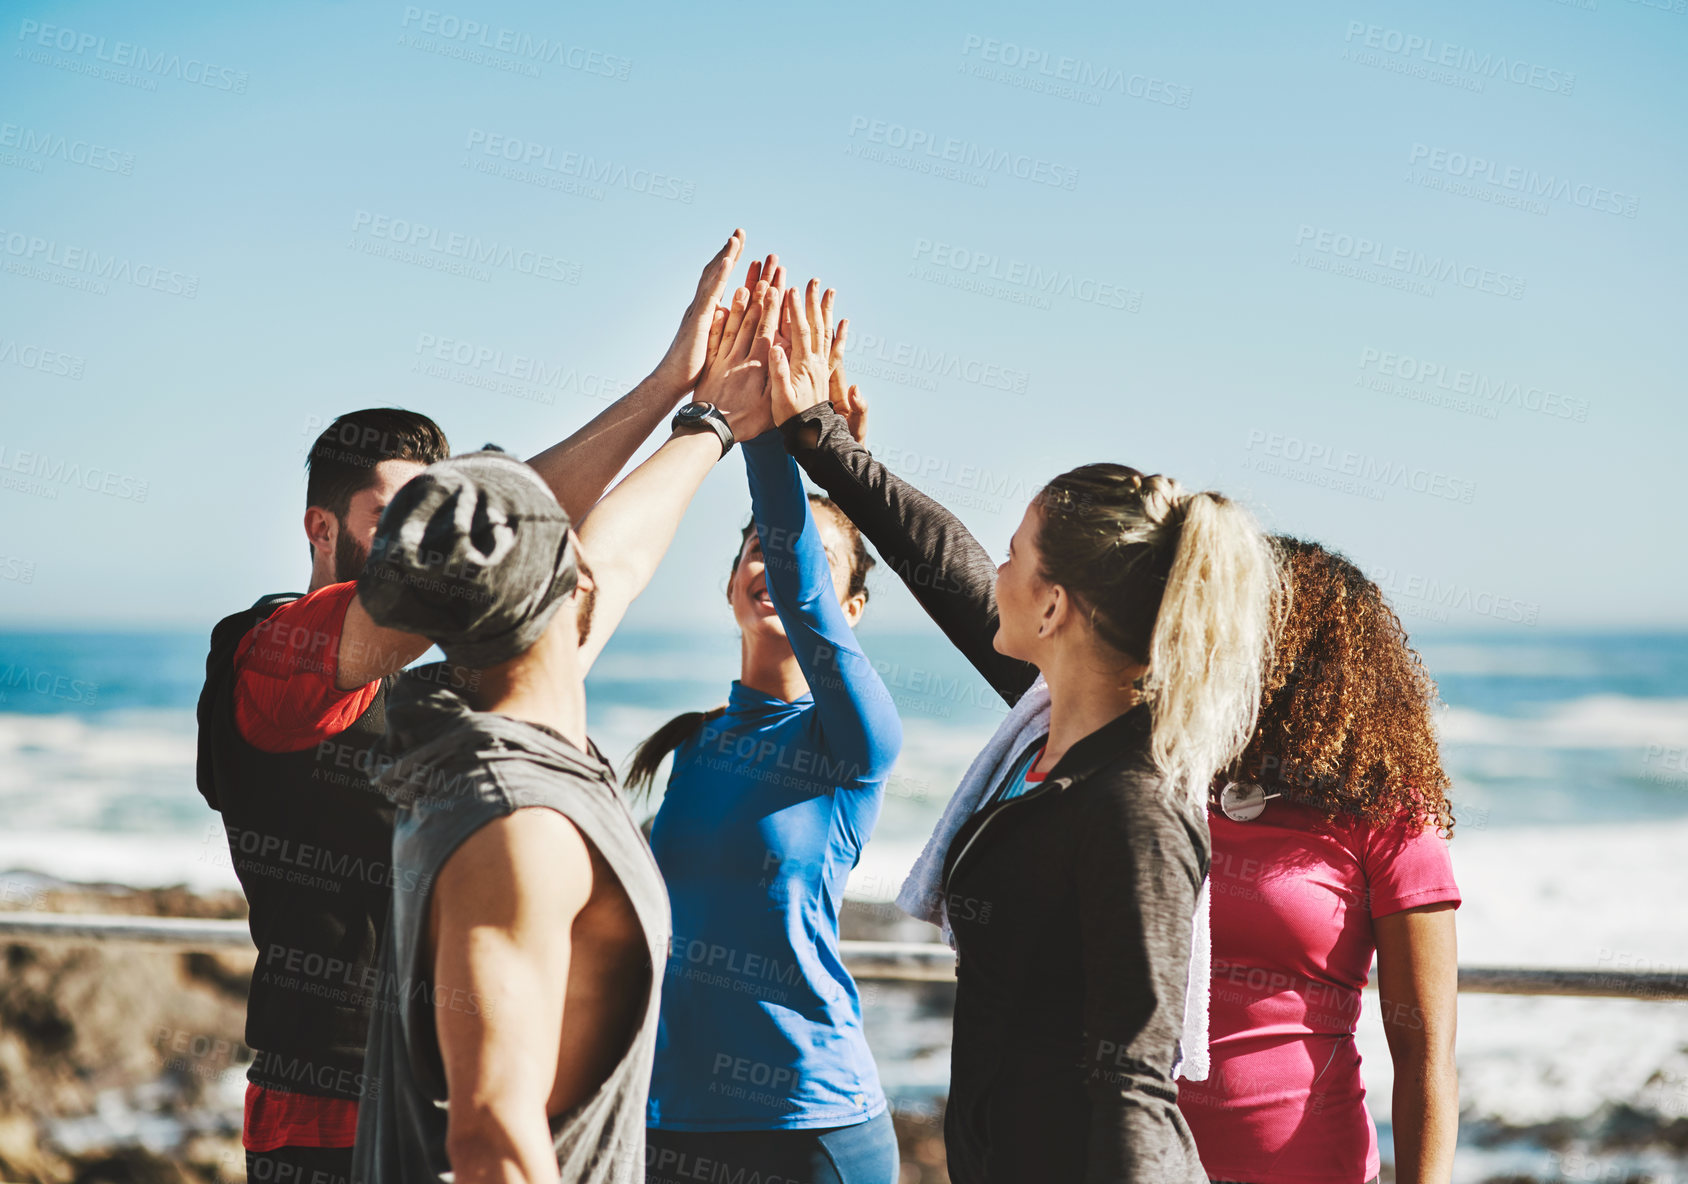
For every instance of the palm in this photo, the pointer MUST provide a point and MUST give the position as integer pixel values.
(683, 365)
(736, 377)
(803, 358)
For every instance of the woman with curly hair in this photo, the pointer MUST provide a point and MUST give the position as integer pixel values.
(1329, 844)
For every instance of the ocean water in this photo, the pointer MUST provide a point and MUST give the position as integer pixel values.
(97, 735)
(1569, 755)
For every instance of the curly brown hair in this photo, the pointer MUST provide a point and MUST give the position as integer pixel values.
(1345, 715)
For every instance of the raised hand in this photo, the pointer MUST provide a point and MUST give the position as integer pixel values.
(767, 269)
(854, 411)
(800, 361)
(759, 269)
(736, 380)
(845, 398)
(682, 366)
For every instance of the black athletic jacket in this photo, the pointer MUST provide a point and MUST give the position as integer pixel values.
(1071, 905)
(312, 842)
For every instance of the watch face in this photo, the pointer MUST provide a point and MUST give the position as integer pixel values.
(695, 410)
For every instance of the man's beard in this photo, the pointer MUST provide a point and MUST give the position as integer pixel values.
(350, 556)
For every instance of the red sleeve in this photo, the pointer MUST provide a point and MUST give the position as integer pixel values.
(275, 1120)
(284, 694)
(1407, 866)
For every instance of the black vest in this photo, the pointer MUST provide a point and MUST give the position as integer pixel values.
(312, 842)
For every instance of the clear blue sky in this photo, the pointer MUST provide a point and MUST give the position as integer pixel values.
(1301, 207)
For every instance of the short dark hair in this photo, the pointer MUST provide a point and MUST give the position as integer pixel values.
(342, 462)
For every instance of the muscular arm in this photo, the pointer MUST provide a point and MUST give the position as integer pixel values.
(502, 912)
(1418, 984)
(627, 533)
(580, 467)
(623, 538)
(368, 652)
(935, 555)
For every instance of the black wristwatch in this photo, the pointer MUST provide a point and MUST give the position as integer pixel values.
(704, 415)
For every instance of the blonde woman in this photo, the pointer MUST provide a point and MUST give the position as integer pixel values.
(1147, 610)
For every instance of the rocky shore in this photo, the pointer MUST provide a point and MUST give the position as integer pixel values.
(125, 1064)
(113, 1057)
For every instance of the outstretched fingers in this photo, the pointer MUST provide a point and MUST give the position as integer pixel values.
(713, 281)
(823, 329)
(812, 314)
(769, 324)
(794, 325)
(761, 269)
(855, 413)
(735, 317)
(717, 326)
(748, 328)
(781, 398)
(835, 366)
(840, 335)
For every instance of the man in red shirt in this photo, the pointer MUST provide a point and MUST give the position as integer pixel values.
(291, 718)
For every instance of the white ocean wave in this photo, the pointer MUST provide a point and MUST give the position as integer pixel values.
(1596, 897)
(1595, 721)
(130, 740)
(1606, 896)
(201, 862)
(73, 771)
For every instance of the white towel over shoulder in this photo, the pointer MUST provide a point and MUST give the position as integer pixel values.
(922, 894)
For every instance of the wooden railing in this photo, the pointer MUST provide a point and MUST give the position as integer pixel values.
(881, 961)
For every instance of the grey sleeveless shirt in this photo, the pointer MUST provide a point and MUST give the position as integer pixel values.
(452, 770)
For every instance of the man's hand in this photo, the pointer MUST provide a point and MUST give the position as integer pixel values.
(737, 378)
(580, 468)
(846, 399)
(683, 364)
(801, 361)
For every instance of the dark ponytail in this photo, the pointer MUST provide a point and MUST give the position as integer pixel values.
(648, 757)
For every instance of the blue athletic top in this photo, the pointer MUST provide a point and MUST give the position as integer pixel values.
(1020, 780)
(768, 808)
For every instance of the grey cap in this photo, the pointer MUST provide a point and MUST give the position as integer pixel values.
(474, 553)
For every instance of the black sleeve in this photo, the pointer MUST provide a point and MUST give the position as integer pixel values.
(1139, 869)
(942, 564)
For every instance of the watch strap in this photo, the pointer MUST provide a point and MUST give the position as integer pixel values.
(710, 418)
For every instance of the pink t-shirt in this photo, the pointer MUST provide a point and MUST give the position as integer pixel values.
(1294, 895)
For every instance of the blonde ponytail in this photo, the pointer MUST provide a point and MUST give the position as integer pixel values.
(1211, 643)
(1186, 584)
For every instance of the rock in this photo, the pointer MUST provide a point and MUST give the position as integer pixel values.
(98, 1042)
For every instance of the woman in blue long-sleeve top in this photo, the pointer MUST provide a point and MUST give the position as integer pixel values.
(762, 1071)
